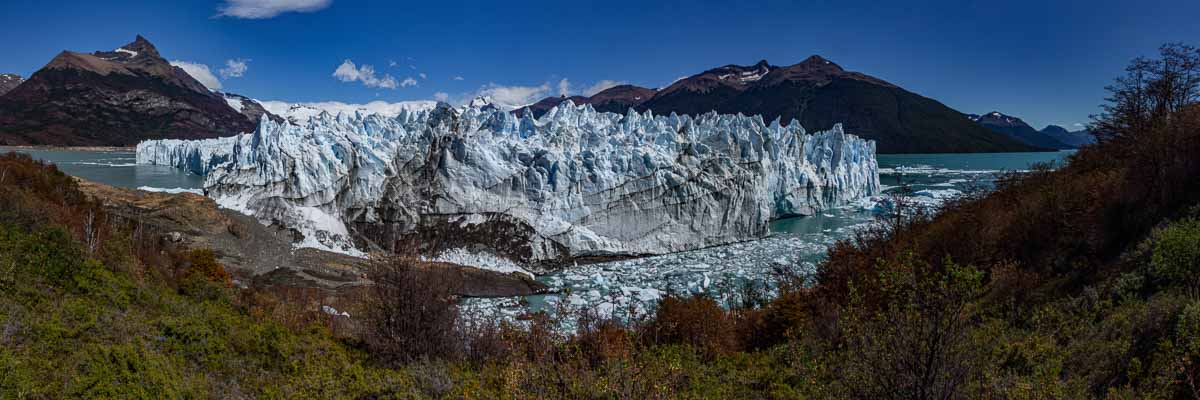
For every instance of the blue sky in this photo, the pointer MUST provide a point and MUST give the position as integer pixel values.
(1044, 61)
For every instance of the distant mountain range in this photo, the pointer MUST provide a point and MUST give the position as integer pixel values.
(130, 94)
(1052, 136)
(118, 98)
(819, 94)
(1075, 139)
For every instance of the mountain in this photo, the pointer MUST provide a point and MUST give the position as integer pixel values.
(818, 93)
(484, 182)
(616, 99)
(118, 98)
(544, 105)
(1017, 129)
(1075, 139)
(250, 108)
(9, 82)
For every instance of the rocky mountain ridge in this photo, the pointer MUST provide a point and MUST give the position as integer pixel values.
(816, 92)
(1052, 136)
(118, 98)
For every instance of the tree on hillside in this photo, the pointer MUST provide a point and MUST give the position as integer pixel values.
(412, 311)
(1150, 92)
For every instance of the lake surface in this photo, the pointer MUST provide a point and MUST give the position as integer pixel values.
(630, 284)
(116, 168)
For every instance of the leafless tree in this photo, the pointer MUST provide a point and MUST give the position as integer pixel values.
(1150, 92)
(412, 311)
(91, 231)
(918, 346)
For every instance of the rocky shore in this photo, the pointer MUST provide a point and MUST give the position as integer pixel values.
(263, 256)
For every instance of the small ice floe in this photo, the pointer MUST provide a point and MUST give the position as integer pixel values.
(481, 260)
(103, 164)
(334, 312)
(172, 190)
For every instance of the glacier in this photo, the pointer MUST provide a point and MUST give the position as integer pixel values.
(573, 185)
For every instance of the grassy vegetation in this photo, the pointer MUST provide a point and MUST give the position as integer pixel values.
(1076, 282)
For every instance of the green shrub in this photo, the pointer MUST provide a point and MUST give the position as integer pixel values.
(1176, 252)
(16, 378)
(129, 371)
(48, 253)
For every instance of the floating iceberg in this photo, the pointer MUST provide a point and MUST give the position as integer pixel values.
(573, 184)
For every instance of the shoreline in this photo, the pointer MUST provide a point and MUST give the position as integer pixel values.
(69, 148)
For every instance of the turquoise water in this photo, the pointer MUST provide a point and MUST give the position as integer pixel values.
(116, 168)
(938, 174)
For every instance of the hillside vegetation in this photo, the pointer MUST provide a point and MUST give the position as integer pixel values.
(1072, 281)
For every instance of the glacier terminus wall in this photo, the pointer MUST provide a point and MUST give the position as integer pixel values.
(539, 193)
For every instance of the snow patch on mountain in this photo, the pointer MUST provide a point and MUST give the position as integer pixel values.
(234, 102)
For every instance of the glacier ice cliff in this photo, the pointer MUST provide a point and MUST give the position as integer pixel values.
(573, 184)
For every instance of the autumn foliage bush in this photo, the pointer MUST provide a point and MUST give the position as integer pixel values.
(202, 264)
(698, 321)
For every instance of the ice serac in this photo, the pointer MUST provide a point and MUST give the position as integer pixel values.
(195, 156)
(575, 183)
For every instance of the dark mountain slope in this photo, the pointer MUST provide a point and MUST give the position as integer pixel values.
(898, 120)
(819, 94)
(114, 98)
(1075, 139)
(620, 98)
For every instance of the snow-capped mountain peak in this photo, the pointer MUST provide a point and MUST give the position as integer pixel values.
(996, 118)
(752, 74)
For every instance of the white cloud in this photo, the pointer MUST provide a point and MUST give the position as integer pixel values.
(564, 87)
(1078, 125)
(458, 78)
(348, 72)
(391, 63)
(235, 68)
(261, 9)
(441, 96)
(200, 72)
(514, 96)
(601, 86)
(408, 82)
(422, 75)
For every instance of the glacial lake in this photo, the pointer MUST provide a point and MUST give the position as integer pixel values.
(622, 285)
(116, 168)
